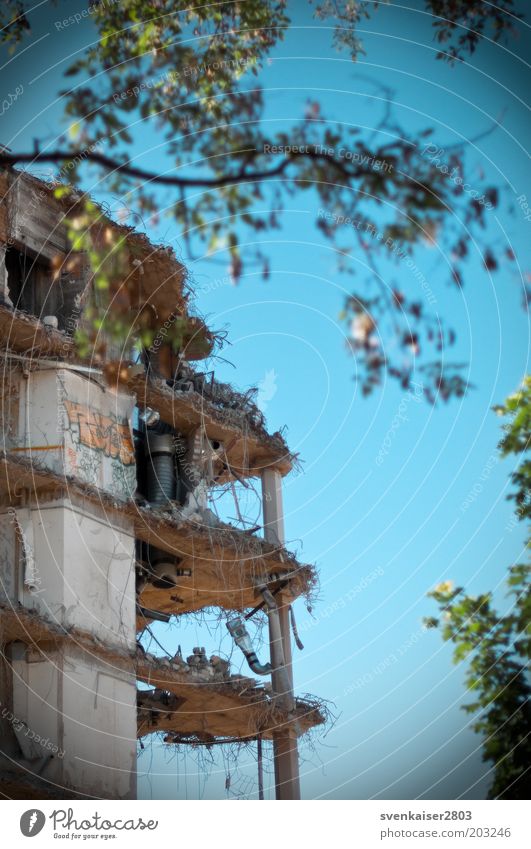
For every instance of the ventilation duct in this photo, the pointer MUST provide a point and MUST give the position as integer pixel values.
(161, 482)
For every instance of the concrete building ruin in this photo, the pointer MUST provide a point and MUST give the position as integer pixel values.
(105, 527)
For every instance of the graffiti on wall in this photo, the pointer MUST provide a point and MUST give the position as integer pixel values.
(101, 432)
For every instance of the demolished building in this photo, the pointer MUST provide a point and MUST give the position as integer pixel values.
(105, 527)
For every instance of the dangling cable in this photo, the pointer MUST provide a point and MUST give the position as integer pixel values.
(294, 631)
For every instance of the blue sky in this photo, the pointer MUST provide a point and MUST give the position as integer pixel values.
(399, 524)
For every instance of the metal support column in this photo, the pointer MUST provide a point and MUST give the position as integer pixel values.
(285, 751)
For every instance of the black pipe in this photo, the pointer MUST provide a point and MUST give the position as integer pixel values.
(157, 615)
(258, 607)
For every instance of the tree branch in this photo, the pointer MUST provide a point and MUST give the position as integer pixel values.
(126, 168)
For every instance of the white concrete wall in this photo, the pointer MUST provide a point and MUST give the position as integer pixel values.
(36, 699)
(83, 573)
(8, 566)
(99, 719)
(82, 576)
(80, 711)
(65, 560)
(74, 426)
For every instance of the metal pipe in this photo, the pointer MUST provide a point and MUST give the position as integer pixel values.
(258, 607)
(260, 768)
(160, 451)
(164, 568)
(157, 615)
(240, 635)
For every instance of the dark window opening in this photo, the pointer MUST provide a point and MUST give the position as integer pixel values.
(29, 282)
(33, 289)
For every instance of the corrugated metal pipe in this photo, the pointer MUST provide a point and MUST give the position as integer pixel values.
(161, 482)
(240, 635)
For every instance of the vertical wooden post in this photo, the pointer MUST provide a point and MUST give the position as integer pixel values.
(285, 750)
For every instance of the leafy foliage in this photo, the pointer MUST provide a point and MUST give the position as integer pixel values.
(191, 73)
(517, 440)
(14, 23)
(498, 648)
(461, 24)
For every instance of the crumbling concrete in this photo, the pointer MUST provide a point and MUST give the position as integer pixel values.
(88, 550)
